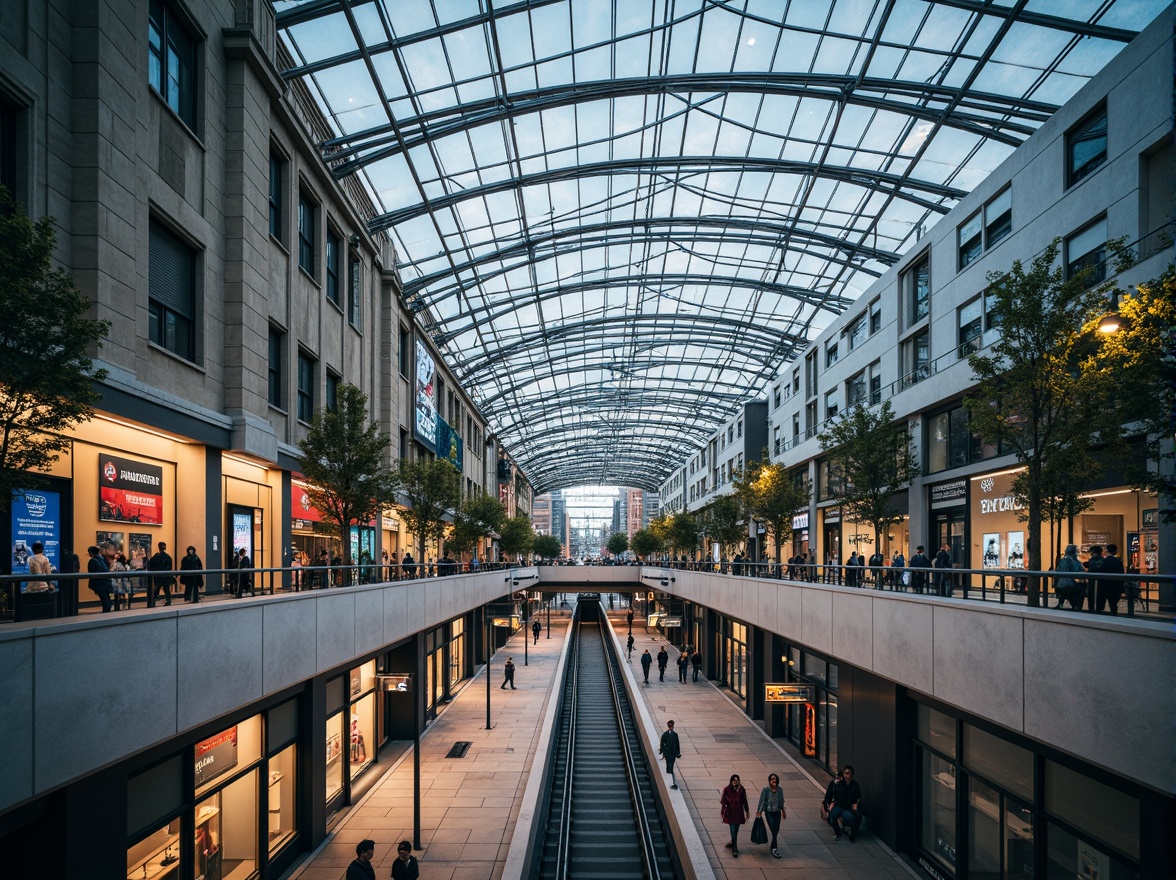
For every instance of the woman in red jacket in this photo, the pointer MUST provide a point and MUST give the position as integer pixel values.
(735, 811)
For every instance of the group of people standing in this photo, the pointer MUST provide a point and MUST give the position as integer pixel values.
(1102, 594)
(115, 581)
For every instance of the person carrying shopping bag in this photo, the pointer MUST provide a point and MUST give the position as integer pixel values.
(771, 807)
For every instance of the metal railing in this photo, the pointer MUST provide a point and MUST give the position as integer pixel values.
(1098, 593)
(74, 593)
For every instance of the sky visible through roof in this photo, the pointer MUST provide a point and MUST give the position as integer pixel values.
(617, 220)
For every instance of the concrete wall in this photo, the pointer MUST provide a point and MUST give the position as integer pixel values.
(81, 694)
(1101, 689)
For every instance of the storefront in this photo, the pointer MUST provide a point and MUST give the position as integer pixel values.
(352, 737)
(830, 536)
(990, 807)
(1121, 516)
(252, 522)
(800, 534)
(949, 520)
(733, 656)
(812, 726)
(222, 807)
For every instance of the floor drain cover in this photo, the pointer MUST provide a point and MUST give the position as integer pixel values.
(459, 750)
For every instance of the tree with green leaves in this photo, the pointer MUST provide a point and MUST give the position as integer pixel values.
(659, 527)
(1034, 396)
(46, 375)
(476, 518)
(517, 536)
(618, 543)
(772, 494)
(645, 543)
(432, 488)
(872, 455)
(725, 523)
(684, 533)
(343, 459)
(547, 546)
(1139, 359)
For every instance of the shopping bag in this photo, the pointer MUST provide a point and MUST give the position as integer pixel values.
(759, 832)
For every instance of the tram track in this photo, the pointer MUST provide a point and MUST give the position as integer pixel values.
(603, 818)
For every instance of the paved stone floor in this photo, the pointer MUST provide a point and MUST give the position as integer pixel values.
(469, 806)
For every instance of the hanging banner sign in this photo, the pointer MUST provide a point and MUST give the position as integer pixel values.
(810, 730)
(129, 491)
(425, 407)
(788, 693)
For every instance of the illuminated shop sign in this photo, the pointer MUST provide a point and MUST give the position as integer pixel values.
(129, 491)
(216, 755)
(425, 406)
(788, 693)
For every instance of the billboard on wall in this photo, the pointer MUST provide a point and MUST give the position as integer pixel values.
(36, 517)
(129, 491)
(449, 444)
(425, 403)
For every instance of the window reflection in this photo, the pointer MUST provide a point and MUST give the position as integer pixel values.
(938, 813)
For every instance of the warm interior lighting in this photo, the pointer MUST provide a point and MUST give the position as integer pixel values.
(140, 428)
(1110, 323)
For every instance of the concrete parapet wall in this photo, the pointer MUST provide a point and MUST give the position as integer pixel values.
(83, 693)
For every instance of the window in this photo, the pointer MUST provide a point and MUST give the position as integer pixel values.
(404, 355)
(776, 398)
(331, 398)
(403, 444)
(277, 344)
(810, 420)
(171, 295)
(810, 374)
(916, 284)
(831, 404)
(334, 249)
(305, 387)
(1086, 146)
(8, 121)
(916, 359)
(354, 299)
(171, 61)
(795, 428)
(971, 323)
(831, 354)
(951, 443)
(307, 211)
(986, 228)
(855, 390)
(875, 316)
(856, 332)
(1087, 250)
(796, 381)
(776, 450)
(277, 193)
(874, 372)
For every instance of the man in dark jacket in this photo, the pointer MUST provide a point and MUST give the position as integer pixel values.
(1109, 592)
(101, 584)
(1093, 565)
(244, 573)
(696, 663)
(671, 750)
(843, 800)
(919, 565)
(942, 563)
(361, 868)
(194, 581)
(663, 660)
(646, 662)
(161, 561)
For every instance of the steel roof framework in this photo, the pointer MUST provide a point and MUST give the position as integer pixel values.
(619, 218)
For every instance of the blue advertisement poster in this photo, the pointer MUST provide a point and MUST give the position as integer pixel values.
(36, 516)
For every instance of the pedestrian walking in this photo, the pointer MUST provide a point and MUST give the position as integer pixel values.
(361, 868)
(918, 566)
(942, 563)
(683, 665)
(771, 807)
(734, 808)
(670, 749)
(508, 671)
(192, 581)
(663, 660)
(536, 628)
(646, 662)
(405, 867)
(696, 663)
(629, 646)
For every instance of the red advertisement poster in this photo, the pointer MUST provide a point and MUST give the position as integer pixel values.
(129, 491)
(216, 755)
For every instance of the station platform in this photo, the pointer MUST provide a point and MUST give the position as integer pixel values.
(470, 805)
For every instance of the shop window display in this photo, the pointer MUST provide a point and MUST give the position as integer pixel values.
(1070, 856)
(938, 825)
(225, 847)
(1000, 835)
(157, 855)
(281, 787)
(334, 766)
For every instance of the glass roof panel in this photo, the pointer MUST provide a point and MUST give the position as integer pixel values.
(626, 223)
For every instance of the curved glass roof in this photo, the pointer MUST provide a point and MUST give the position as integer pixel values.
(619, 218)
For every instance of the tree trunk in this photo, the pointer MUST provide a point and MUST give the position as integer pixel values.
(1034, 546)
